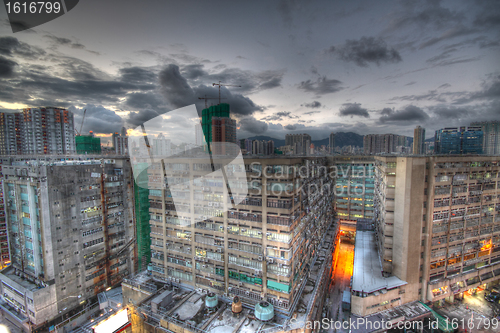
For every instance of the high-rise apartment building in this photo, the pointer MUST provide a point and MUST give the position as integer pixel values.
(4, 241)
(354, 188)
(37, 131)
(88, 144)
(419, 141)
(161, 146)
(491, 136)
(459, 140)
(380, 143)
(437, 231)
(223, 130)
(300, 143)
(259, 248)
(71, 233)
(331, 143)
(218, 126)
(120, 144)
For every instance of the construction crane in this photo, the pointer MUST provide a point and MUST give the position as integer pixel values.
(81, 126)
(207, 98)
(225, 85)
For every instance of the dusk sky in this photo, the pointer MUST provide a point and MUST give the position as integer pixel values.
(305, 67)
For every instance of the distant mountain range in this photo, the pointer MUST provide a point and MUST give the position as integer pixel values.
(341, 139)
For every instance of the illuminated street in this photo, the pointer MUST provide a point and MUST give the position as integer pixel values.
(341, 278)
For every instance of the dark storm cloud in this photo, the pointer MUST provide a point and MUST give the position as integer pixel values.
(313, 105)
(366, 50)
(353, 109)
(179, 93)
(11, 46)
(175, 87)
(280, 116)
(6, 67)
(137, 74)
(193, 72)
(252, 125)
(290, 127)
(78, 69)
(490, 91)
(138, 118)
(138, 101)
(97, 119)
(410, 113)
(321, 86)
(450, 112)
(248, 81)
(444, 86)
(88, 90)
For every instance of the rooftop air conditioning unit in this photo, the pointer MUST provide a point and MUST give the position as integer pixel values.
(210, 204)
(260, 258)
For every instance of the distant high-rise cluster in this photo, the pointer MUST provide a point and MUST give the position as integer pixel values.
(459, 140)
(300, 143)
(419, 140)
(262, 147)
(37, 131)
(384, 143)
(491, 136)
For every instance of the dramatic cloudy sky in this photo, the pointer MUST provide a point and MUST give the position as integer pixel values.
(316, 67)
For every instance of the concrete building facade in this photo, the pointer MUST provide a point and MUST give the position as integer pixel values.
(491, 136)
(437, 227)
(419, 141)
(258, 249)
(71, 233)
(300, 143)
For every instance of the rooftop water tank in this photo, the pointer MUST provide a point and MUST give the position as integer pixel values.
(211, 300)
(236, 307)
(264, 311)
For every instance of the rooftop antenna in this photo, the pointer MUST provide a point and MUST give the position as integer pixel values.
(225, 85)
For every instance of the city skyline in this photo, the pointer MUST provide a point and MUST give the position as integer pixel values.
(310, 68)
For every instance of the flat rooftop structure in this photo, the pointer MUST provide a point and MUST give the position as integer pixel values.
(10, 272)
(407, 312)
(367, 274)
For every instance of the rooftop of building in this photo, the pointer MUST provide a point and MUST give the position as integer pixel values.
(21, 279)
(185, 307)
(367, 274)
